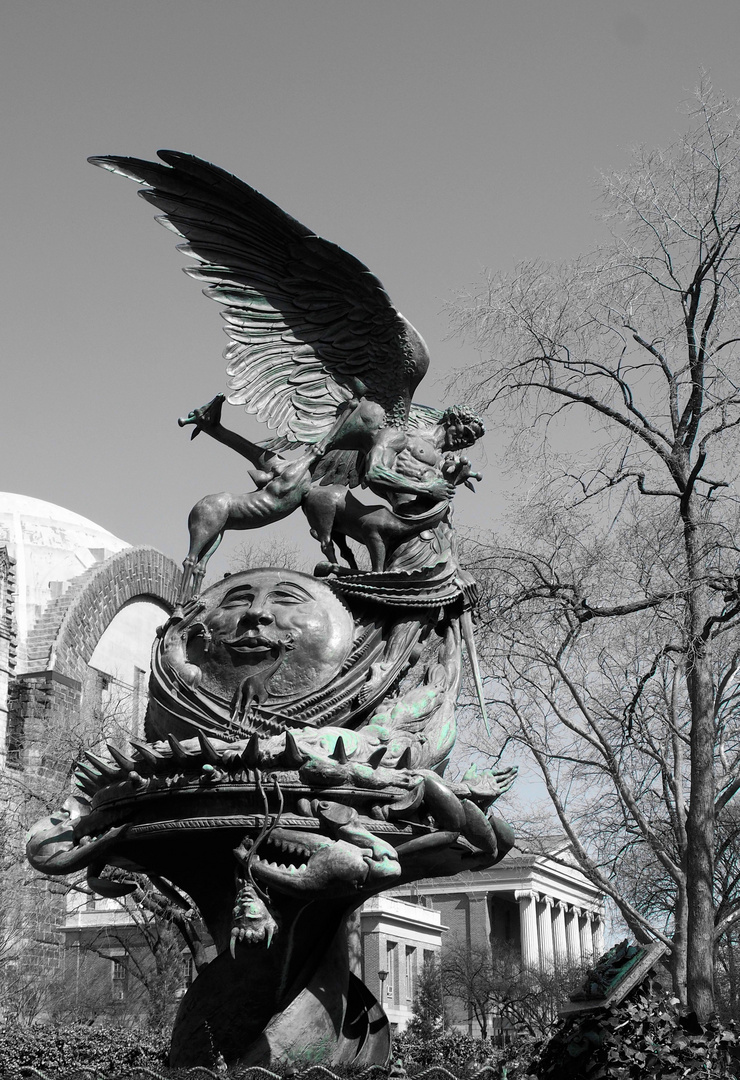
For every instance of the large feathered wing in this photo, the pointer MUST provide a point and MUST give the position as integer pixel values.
(309, 325)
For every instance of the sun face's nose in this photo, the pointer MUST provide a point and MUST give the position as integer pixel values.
(257, 614)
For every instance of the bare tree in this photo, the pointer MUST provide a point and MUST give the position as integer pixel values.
(147, 950)
(618, 598)
(158, 926)
(468, 979)
(21, 991)
(493, 983)
(277, 553)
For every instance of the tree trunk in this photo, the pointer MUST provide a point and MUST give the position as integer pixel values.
(732, 971)
(483, 1024)
(700, 817)
(679, 950)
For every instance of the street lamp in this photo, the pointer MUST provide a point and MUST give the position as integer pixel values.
(382, 975)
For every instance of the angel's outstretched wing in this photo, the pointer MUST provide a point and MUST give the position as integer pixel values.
(310, 326)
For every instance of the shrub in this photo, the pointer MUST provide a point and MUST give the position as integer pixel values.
(461, 1053)
(426, 1021)
(112, 1051)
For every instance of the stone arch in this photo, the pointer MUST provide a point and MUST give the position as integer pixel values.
(65, 636)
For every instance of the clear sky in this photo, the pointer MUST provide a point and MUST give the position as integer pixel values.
(431, 138)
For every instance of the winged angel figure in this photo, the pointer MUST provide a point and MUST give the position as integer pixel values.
(320, 354)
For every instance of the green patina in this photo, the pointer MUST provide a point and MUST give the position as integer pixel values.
(613, 967)
(314, 1054)
(445, 735)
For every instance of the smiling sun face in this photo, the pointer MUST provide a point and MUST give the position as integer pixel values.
(276, 619)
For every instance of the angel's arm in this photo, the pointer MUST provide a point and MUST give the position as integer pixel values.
(381, 469)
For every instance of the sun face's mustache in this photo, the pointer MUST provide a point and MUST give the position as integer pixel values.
(257, 639)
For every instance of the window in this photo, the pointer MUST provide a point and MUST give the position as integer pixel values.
(390, 966)
(118, 977)
(410, 973)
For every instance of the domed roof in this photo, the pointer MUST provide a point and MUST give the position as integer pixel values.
(50, 546)
(25, 507)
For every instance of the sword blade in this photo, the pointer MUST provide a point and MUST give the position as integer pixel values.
(466, 625)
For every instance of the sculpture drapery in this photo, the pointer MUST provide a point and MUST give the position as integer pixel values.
(298, 725)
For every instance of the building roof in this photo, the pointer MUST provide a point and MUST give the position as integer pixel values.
(70, 525)
(553, 872)
(50, 546)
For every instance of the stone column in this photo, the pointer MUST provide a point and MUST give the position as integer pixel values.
(544, 933)
(558, 935)
(528, 926)
(573, 937)
(587, 941)
(597, 930)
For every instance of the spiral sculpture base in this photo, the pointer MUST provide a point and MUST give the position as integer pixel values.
(276, 828)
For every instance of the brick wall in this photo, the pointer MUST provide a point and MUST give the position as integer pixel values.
(44, 905)
(47, 698)
(371, 964)
(39, 704)
(49, 692)
(65, 636)
(466, 915)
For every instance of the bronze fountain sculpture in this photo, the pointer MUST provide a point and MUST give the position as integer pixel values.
(298, 725)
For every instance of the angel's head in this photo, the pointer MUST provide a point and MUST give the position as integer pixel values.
(462, 427)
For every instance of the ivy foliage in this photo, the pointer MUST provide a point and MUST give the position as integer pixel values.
(644, 1036)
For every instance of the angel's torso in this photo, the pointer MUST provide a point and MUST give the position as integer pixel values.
(419, 459)
(411, 456)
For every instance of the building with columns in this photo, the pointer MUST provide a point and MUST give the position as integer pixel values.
(539, 904)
